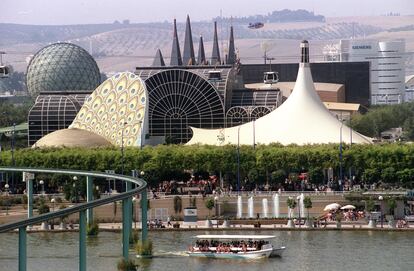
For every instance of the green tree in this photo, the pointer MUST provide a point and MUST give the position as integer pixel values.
(209, 205)
(392, 204)
(307, 203)
(291, 203)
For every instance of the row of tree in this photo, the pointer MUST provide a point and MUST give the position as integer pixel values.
(381, 118)
(390, 163)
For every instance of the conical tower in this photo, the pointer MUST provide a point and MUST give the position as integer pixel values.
(231, 57)
(215, 56)
(188, 53)
(201, 53)
(175, 51)
(158, 59)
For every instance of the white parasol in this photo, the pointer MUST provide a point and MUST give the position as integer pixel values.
(332, 207)
(348, 207)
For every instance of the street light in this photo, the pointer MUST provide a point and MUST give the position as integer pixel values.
(298, 198)
(75, 191)
(42, 183)
(340, 155)
(6, 186)
(122, 147)
(254, 134)
(53, 209)
(381, 198)
(238, 160)
(12, 152)
(140, 127)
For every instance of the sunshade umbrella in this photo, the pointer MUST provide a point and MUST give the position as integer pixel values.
(347, 207)
(331, 207)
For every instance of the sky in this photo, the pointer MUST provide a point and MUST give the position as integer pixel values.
(103, 11)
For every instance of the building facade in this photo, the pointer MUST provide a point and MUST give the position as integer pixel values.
(387, 67)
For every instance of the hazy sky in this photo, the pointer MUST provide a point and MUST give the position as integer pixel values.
(101, 11)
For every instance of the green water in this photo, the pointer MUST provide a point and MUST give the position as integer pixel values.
(319, 250)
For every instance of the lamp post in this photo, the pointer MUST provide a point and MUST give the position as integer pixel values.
(42, 183)
(340, 155)
(140, 127)
(12, 153)
(122, 148)
(298, 199)
(215, 205)
(75, 178)
(6, 186)
(53, 209)
(254, 134)
(381, 198)
(238, 160)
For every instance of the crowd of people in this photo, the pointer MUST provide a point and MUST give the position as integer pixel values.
(227, 247)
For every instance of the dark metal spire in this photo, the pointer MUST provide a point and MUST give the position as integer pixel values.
(215, 56)
(158, 60)
(201, 53)
(188, 54)
(304, 45)
(175, 51)
(231, 58)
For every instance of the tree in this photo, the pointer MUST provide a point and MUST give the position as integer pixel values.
(392, 204)
(307, 203)
(177, 204)
(291, 203)
(209, 205)
(370, 205)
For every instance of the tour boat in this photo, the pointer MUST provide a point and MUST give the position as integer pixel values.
(234, 246)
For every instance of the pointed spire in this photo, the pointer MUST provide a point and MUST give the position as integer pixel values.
(231, 57)
(188, 54)
(215, 56)
(158, 59)
(175, 51)
(201, 53)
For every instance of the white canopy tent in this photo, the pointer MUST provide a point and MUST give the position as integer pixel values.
(302, 119)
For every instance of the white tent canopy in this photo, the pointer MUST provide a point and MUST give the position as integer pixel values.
(302, 119)
(332, 207)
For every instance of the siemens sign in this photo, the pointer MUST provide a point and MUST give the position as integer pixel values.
(357, 47)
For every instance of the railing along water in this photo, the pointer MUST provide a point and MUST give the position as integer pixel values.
(82, 209)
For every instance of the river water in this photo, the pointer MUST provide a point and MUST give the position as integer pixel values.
(306, 250)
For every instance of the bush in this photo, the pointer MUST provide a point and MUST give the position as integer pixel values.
(126, 265)
(93, 228)
(144, 248)
(209, 204)
(43, 208)
(133, 237)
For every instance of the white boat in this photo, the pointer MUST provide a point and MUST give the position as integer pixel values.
(234, 246)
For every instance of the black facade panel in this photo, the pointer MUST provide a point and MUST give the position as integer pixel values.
(353, 75)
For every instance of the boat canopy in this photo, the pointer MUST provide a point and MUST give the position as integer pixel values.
(235, 237)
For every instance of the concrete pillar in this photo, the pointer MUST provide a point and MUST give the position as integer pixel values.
(22, 249)
(144, 227)
(82, 240)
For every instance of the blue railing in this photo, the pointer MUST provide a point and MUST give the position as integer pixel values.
(84, 210)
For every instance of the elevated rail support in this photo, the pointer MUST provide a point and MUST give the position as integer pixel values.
(126, 222)
(22, 249)
(82, 240)
(89, 198)
(125, 230)
(144, 207)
